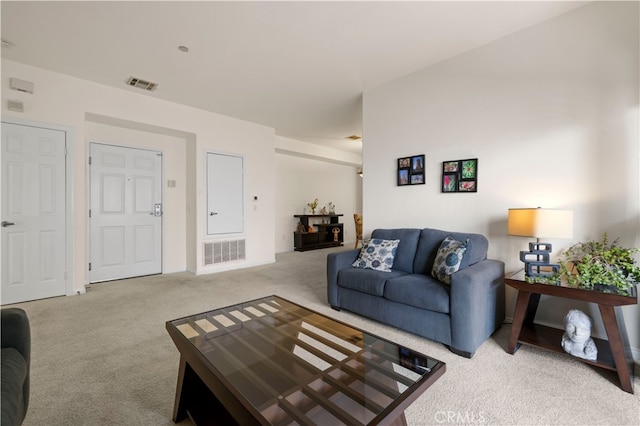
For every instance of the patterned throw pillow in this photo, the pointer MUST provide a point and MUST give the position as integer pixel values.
(377, 254)
(448, 259)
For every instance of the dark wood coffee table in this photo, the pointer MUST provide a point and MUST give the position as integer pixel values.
(271, 361)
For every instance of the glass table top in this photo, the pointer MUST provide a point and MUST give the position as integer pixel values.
(563, 284)
(293, 364)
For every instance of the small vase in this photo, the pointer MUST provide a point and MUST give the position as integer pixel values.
(313, 211)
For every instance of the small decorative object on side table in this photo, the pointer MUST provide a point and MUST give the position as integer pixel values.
(601, 265)
(612, 353)
(576, 339)
(539, 223)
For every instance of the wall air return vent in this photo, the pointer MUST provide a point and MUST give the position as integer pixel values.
(141, 84)
(223, 251)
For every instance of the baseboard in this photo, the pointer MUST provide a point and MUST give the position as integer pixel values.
(230, 266)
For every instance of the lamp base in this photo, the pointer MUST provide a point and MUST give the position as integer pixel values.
(539, 266)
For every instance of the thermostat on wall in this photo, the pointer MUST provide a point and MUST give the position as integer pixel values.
(21, 85)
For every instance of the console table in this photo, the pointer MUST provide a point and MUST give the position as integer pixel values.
(323, 235)
(613, 354)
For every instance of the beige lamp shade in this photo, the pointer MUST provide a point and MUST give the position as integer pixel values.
(540, 223)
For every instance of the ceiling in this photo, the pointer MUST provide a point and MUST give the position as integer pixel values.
(299, 67)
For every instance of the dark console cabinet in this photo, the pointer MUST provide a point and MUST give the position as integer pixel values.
(322, 236)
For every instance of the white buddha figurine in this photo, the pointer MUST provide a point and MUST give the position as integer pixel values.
(577, 339)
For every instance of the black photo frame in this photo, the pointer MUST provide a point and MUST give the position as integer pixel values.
(460, 175)
(411, 170)
(449, 182)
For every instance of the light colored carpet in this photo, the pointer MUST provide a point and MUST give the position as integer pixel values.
(105, 358)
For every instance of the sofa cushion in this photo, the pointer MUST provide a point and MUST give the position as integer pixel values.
(429, 243)
(449, 259)
(14, 373)
(420, 291)
(366, 280)
(407, 247)
(377, 254)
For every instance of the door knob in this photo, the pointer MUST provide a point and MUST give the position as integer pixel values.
(5, 223)
(213, 213)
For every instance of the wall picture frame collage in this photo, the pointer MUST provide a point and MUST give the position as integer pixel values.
(460, 175)
(411, 170)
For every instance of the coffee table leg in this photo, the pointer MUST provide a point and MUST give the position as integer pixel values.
(179, 407)
(401, 420)
(610, 321)
(518, 318)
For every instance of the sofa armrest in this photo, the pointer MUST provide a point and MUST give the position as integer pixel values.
(477, 304)
(16, 333)
(335, 263)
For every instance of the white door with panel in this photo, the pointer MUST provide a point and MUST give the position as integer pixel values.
(33, 213)
(225, 194)
(125, 212)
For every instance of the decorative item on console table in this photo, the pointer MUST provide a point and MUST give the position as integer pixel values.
(301, 228)
(540, 223)
(601, 265)
(313, 206)
(576, 339)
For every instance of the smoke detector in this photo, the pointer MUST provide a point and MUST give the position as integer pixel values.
(142, 84)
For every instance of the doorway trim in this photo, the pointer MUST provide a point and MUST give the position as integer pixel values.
(70, 214)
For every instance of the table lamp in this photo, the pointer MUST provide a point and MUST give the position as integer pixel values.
(539, 223)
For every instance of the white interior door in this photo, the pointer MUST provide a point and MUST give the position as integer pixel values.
(125, 212)
(33, 213)
(225, 194)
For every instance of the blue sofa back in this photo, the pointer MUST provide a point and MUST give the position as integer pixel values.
(407, 247)
(429, 243)
(418, 247)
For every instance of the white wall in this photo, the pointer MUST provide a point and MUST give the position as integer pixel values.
(303, 173)
(552, 115)
(75, 103)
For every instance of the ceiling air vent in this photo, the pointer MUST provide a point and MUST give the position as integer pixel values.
(141, 84)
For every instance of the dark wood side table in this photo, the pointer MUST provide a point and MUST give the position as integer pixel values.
(613, 354)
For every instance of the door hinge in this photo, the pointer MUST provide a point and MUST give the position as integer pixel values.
(89, 265)
(89, 212)
(89, 160)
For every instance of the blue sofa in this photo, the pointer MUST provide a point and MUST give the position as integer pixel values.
(15, 359)
(462, 314)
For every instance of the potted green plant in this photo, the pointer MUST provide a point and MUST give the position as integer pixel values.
(601, 265)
